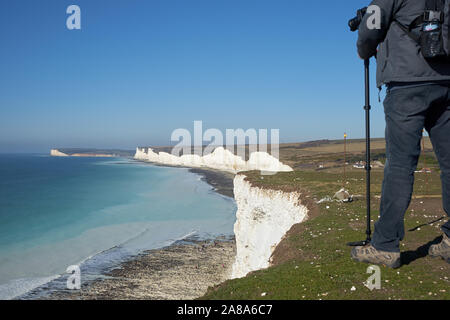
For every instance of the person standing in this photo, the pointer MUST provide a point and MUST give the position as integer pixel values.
(417, 97)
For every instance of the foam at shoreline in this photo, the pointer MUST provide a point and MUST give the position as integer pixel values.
(163, 206)
(181, 271)
(96, 266)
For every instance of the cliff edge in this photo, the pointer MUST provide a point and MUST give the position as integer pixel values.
(264, 216)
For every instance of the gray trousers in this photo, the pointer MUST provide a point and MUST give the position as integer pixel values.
(409, 109)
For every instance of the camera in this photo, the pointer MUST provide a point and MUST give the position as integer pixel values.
(356, 21)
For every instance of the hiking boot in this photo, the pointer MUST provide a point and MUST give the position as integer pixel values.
(441, 250)
(369, 254)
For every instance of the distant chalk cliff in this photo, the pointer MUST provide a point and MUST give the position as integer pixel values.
(57, 153)
(220, 159)
(81, 152)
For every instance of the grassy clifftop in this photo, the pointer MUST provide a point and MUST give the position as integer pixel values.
(313, 261)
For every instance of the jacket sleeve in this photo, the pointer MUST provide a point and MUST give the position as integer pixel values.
(370, 38)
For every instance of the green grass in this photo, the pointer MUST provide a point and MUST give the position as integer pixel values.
(321, 268)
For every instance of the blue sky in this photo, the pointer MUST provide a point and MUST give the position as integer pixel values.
(140, 69)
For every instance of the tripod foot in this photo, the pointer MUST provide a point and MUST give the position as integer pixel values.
(358, 244)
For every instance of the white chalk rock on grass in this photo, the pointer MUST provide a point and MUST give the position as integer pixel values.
(265, 162)
(263, 218)
(223, 159)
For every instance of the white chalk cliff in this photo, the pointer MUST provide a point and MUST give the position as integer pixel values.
(263, 218)
(220, 159)
(57, 153)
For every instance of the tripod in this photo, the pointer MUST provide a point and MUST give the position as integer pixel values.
(367, 108)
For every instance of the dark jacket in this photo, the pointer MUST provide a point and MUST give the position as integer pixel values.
(399, 58)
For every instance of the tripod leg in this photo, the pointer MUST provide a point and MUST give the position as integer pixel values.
(367, 108)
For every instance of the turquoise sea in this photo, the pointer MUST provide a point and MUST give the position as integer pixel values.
(95, 212)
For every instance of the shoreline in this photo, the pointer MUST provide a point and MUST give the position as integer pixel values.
(182, 271)
(221, 181)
